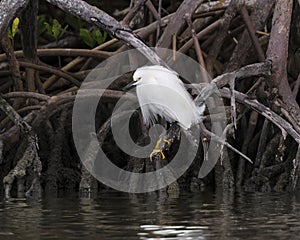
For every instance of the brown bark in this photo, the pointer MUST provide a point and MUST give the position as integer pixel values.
(175, 25)
(278, 49)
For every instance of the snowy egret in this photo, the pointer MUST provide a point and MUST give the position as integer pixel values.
(160, 92)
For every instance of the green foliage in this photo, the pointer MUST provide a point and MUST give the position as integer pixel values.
(14, 28)
(75, 23)
(52, 27)
(55, 29)
(93, 36)
(41, 24)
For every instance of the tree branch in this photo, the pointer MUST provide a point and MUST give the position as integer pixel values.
(258, 18)
(104, 21)
(284, 126)
(278, 49)
(174, 26)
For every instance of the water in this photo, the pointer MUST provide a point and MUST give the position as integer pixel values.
(114, 215)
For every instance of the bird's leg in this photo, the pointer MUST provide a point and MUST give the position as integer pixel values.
(159, 146)
(162, 140)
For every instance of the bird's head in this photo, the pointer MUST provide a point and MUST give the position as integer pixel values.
(132, 83)
(137, 78)
(142, 74)
(146, 74)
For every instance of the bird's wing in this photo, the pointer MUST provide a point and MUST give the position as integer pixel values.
(181, 106)
(165, 95)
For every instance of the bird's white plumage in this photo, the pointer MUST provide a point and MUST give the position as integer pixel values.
(161, 92)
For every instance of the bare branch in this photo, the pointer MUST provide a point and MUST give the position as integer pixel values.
(283, 125)
(278, 49)
(258, 18)
(217, 44)
(174, 26)
(251, 31)
(104, 21)
(296, 87)
(132, 11)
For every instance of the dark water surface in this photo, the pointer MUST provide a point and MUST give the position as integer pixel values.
(114, 215)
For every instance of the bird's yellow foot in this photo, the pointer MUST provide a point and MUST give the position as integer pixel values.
(157, 151)
(158, 147)
(166, 141)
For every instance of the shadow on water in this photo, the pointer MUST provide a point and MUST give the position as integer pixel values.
(115, 215)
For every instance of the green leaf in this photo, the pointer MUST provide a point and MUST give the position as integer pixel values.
(14, 28)
(48, 28)
(62, 32)
(104, 35)
(87, 37)
(74, 22)
(15, 25)
(10, 34)
(41, 24)
(56, 29)
(99, 36)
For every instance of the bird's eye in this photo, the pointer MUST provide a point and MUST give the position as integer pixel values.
(137, 79)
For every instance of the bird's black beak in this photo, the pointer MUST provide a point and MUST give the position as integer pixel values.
(129, 85)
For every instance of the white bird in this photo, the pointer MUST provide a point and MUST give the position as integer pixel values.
(160, 92)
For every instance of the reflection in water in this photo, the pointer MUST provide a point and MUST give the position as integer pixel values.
(114, 215)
